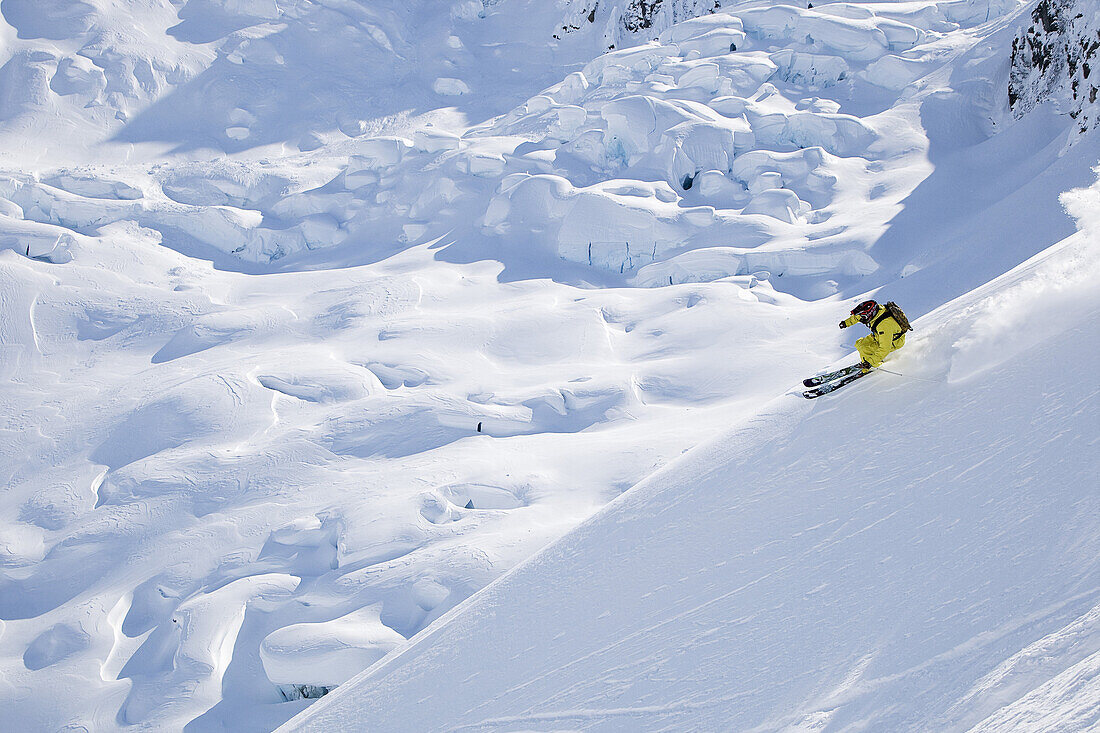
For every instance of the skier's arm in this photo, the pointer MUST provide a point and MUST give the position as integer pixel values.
(850, 321)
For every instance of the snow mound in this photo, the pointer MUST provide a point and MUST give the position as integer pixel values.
(326, 654)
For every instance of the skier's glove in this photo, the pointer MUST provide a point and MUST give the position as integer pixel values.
(843, 324)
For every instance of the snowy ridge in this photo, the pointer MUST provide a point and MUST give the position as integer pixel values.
(775, 580)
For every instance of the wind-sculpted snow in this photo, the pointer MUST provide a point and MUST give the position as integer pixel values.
(318, 317)
(209, 479)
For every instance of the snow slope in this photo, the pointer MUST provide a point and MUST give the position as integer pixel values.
(909, 555)
(299, 355)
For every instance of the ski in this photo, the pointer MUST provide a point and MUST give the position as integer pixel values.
(823, 378)
(831, 386)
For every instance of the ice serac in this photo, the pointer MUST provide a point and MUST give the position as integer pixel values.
(916, 553)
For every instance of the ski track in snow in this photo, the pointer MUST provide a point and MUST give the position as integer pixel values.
(297, 358)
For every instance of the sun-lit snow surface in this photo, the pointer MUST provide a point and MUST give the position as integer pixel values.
(241, 448)
(907, 556)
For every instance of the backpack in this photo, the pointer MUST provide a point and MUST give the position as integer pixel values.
(895, 312)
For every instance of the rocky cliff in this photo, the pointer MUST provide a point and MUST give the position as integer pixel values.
(1055, 57)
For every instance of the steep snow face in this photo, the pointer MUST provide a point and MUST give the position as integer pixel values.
(1054, 58)
(918, 553)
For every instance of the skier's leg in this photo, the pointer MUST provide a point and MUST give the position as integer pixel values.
(870, 351)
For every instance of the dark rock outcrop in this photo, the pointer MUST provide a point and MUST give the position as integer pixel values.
(1058, 57)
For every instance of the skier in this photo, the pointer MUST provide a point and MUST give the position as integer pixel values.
(888, 325)
(886, 333)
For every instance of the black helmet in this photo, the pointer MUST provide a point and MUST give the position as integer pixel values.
(865, 310)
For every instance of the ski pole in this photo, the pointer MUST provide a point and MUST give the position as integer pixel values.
(919, 379)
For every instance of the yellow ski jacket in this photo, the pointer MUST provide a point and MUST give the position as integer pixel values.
(886, 336)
